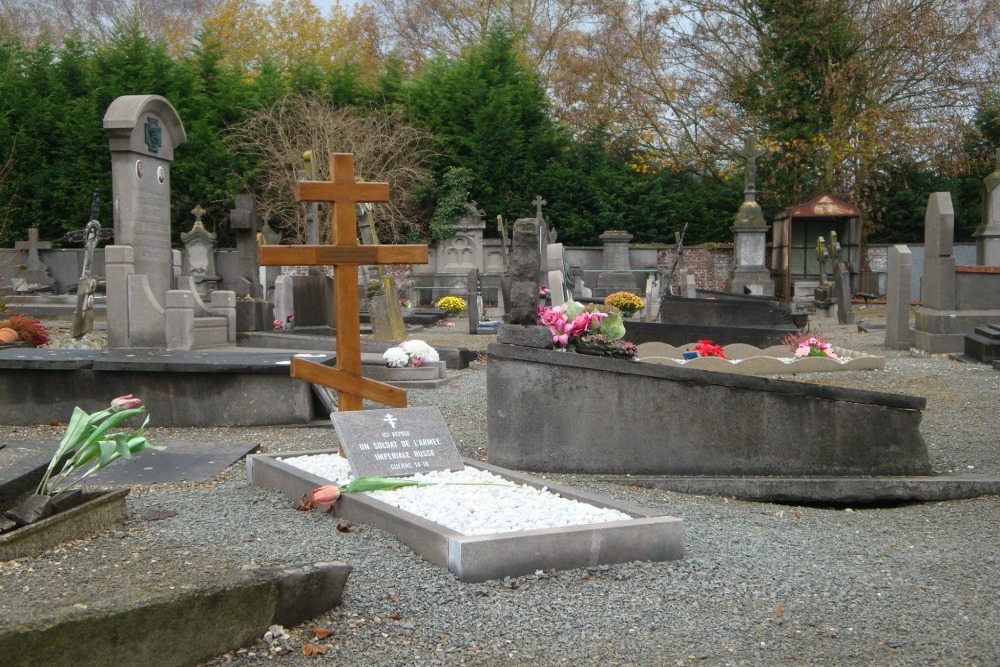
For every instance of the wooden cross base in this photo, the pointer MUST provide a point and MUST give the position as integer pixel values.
(345, 255)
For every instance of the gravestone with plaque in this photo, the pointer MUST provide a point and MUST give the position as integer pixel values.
(396, 442)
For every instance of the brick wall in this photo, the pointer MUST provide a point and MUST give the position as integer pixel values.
(710, 264)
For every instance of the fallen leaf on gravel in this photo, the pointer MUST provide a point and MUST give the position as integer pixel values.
(779, 610)
(344, 527)
(634, 489)
(157, 516)
(313, 650)
(320, 632)
(394, 617)
(55, 422)
(305, 503)
(393, 598)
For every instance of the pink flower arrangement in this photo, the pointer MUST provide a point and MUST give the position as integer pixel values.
(814, 347)
(565, 329)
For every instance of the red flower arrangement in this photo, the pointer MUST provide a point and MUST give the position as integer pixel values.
(706, 348)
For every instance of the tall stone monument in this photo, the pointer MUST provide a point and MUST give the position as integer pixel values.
(750, 274)
(987, 235)
(143, 308)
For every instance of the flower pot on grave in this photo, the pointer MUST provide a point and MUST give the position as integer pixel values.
(98, 511)
(8, 335)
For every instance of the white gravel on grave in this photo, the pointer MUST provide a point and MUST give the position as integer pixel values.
(455, 501)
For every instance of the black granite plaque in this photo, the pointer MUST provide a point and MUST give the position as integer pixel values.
(396, 442)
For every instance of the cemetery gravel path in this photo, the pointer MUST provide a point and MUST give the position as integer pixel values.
(760, 584)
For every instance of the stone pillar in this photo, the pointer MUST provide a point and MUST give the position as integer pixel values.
(617, 275)
(987, 235)
(616, 250)
(180, 320)
(118, 265)
(897, 311)
(938, 289)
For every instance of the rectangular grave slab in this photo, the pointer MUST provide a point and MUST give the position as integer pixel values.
(484, 557)
(625, 417)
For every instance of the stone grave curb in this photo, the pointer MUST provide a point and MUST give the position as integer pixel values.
(822, 490)
(180, 628)
(487, 557)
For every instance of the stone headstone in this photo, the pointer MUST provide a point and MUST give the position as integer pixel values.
(473, 300)
(987, 235)
(245, 224)
(36, 272)
(560, 287)
(525, 260)
(897, 316)
(384, 311)
(689, 288)
(143, 131)
(845, 308)
(395, 442)
(938, 287)
(199, 255)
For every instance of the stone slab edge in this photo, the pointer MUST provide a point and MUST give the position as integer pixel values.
(752, 382)
(834, 490)
(182, 628)
(482, 558)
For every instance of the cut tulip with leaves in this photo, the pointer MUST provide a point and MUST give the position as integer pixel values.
(87, 442)
(327, 495)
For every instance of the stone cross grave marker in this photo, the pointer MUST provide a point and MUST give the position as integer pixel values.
(345, 255)
(37, 273)
(751, 151)
(389, 443)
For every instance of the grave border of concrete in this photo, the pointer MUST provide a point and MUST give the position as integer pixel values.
(182, 628)
(824, 490)
(487, 557)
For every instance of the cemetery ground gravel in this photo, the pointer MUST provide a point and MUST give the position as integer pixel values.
(760, 584)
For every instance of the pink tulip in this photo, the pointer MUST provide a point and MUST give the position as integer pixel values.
(326, 495)
(126, 402)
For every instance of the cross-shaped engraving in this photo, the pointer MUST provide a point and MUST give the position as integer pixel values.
(751, 151)
(197, 212)
(345, 254)
(538, 203)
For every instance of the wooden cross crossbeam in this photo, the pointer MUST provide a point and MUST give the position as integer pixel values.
(345, 255)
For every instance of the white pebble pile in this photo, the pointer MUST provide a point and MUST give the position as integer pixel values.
(455, 501)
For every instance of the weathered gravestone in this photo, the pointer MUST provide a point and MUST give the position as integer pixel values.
(199, 255)
(897, 316)
(522, 323)
(987, 235)
(390, 443)
(36, 273)
(750, 274)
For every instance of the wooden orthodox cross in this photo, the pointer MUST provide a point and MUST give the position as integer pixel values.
(345, 255)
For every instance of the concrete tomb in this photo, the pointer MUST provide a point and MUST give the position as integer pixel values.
(623, 417)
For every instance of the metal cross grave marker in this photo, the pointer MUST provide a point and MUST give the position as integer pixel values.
(345, 255)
